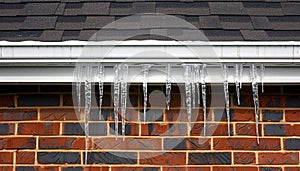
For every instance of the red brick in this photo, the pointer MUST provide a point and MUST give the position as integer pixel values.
(61, 143)
(58, 114)
(68, 100)
(176, 100)
(278, 158)
(246, 101)
(6, 168)
(292, 115)
(291, 168)
(247, 129)
(87, 168)
(180, 115)
(198, 143)
(138, 168)
(25, 157)
(212, 129)
(159, 129)
(243, 115)
(188, 168)
(7, 101)
(246, 144)
(44, 168)
(17, 143)
(46, 128)
(234, 168)
(17, 114)
(244, 158)
(161, 158)
(6, 157)
(128, 143)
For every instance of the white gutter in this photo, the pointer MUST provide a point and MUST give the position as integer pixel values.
(32, 61)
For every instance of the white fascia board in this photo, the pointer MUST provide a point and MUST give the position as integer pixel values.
(32, 61)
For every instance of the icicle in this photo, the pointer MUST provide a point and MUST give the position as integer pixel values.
(168, 85)
(145, 69)
(237, 82)
(88, 92)
(124, 72)
(197, 80)
(241, 66)
(100, 82)
(188, 93)
(116, 97)
(203, 90)
(193, 85)
(262, 74)
(253, 71)
(226, 92)
(78, 73)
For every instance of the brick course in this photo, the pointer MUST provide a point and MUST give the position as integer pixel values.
(40, 130)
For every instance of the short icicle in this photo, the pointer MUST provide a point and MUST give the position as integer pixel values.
(193, 78)
(241, 66)
(237, 82)
(253, 75)
(168, 85)
(78, 75)
(87, 107)
(262, 75)
(116, 97)
(100, 83)
(188, 93)
(226, 92)
(203, 90)
(197, 81)
(145, 70)
(124, 91)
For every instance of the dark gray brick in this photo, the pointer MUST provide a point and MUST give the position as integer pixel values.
(38, 100)
(72, 169)
(127, 129)
(17, 115)
(174, 144)
(292, 144)
(273, 116)
(73, 129)
(112, 158)
(293, 101)
(274, 129)
(222, 158)
(220, 114)
(4, 129)
(97, 129)
(152, 115)
(25, 168)
(58, 158)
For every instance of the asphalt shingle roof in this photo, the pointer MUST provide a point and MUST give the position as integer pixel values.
(59, 20)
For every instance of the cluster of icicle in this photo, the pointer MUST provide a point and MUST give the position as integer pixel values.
(195, 90)
(255, 70)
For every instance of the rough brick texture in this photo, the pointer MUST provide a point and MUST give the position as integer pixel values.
(41, 130)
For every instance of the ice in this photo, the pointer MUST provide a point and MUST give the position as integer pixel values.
(124, 91)
(262, 74)
(87, 107)
(168, 85)
(78, 74)
(253, 74)
(188, 93)
(100, 82)
(237, 82)
(145, 70)
(226, 92)
(116, 97)
(241, 66)
(203, 90)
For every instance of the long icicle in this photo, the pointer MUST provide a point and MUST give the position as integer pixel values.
(168, 85)
(262, 75)
(193, 78)
(188, 93)
(145, 70)
(124, 71)
(78, 73)
(253, 72)
(237, 82)
(100, 82)
(198, 80)
(226, 92)
(87, 108)
(241, 66)
(203, 90)
(116, 97)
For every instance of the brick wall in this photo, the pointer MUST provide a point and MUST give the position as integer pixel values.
(39, 130)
